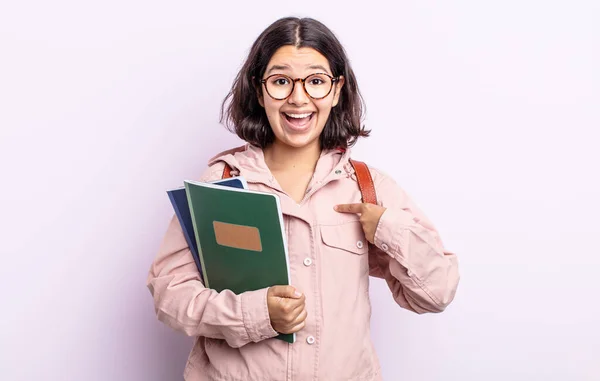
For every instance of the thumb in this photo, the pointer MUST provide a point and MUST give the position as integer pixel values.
(285, 292)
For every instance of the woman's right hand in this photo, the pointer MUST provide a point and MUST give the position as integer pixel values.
(286, 309)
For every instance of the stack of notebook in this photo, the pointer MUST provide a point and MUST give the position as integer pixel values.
(236, 235)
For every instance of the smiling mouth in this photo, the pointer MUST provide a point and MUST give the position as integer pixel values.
(298, 120)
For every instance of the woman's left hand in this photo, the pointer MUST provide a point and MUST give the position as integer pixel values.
(369, 216)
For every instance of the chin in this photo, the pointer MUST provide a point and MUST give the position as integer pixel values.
(295, 139)
(299, 143)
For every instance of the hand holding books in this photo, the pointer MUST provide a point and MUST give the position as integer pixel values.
(287, 309)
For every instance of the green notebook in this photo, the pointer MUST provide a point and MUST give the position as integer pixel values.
(241, 238)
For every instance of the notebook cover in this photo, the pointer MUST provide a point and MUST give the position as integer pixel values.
(242, 238)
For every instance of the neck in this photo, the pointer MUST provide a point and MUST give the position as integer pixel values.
(281, 157)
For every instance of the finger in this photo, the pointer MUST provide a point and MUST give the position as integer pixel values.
(350, 208)
(288, 306)
(292, 306)
(297, 311)
(300, 318)
(286, 292)
(294, 302)
(297, 327)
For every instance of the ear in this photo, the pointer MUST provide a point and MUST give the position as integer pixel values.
(338, 90)
(261, 101)
(259, 95)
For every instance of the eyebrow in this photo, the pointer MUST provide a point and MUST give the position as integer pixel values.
(287, 67)
(278, 67)
(319, 67)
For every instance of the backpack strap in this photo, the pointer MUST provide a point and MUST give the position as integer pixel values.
(363, 178)
(226, 172)
(365, 182)
(367, 191)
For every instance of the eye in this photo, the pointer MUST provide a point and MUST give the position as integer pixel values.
(318, 80)
(280, 81)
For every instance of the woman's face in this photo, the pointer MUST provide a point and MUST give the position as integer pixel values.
(298, 120)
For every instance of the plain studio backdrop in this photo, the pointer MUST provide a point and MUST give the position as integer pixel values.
(487, 113)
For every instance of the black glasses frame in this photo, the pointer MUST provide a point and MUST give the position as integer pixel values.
(303, 80)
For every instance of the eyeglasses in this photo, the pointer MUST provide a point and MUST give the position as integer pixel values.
(281, 86)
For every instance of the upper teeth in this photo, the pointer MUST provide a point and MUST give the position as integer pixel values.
(299, 116)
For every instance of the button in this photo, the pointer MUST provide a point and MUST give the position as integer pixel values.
(310, 340)
(338, 171)
(384, 247)
(307, 262)
(359, 244)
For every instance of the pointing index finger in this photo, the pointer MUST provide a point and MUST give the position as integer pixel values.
(349, 208)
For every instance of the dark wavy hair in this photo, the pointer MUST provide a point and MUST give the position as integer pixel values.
(242, 111)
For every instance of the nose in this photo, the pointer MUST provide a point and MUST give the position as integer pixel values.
(298, 96)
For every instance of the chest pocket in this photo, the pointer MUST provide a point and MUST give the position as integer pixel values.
(348, 236)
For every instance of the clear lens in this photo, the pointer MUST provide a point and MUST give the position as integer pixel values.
(317, 85)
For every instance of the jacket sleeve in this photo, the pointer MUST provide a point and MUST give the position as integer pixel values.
(409, 253)
(182, 302)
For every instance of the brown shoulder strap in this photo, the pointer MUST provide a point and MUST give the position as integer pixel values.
(365, 182)
(226, 172)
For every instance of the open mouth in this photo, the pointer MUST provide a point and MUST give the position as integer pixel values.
(298, 120)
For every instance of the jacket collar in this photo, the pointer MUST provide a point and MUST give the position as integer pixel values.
(249, 161)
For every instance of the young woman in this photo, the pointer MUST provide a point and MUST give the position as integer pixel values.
(297, 105)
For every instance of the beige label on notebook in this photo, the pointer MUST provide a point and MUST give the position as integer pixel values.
(237, 236)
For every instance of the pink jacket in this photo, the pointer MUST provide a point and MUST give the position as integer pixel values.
(330, 263)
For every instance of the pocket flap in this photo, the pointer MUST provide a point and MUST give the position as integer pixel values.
(348, 236)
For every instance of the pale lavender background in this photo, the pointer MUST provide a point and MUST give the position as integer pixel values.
(486, 112)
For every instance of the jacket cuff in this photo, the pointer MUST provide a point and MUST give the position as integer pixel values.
(388, 235)
(255, 313)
